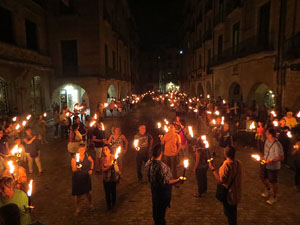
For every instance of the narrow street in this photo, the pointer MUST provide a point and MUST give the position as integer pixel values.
(54, 204)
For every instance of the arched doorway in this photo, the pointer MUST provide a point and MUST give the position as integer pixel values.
(36, 96)
(208, 88)
(3, 97)
(262, 95)
(111, 93)
(235, 93)
(68, 95)
(200, 91)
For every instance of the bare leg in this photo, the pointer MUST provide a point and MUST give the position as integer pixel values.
(77, 202)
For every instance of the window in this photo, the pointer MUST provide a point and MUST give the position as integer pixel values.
(221, 10)
(31, 35)
(220, 44)
(264, 21)
(69, 56)
(106, 55)
(114, 59)
(235, 37)
(6, 26)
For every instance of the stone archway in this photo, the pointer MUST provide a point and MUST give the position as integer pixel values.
(68, 95)
(111, 93)
(235, 92)
(200, 91)
(262, 95)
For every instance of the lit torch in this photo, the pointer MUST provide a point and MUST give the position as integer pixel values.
(14, 119)
(102, 127)
(252, 126)
(258, 158)
(275, 123)
(217, 113)
(92, 123)
(118, 151)
(186, 164)
(18, 127)
(289, 134)
(206, 143)
(24, 123)
(222, 121)
(11, 168)
(159, 125)
(78, 164)
(166, 128)
(28, 117)
(105, 105)
(136, 144)
(191, 131)
(203, 137)
(273, 113)
(29, 193)
(298, 114)
(45, 114)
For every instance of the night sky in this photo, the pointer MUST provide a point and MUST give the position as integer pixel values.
(159, 22)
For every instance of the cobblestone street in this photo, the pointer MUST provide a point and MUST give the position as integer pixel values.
(54, 204)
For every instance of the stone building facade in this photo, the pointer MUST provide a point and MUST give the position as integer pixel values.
(93, 44)
(25, 65)
(65, 51)
(243, 50)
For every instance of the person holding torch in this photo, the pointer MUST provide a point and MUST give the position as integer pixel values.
(144, 143)
(82, 167)
(273, 154)
(161, 181)
(229, 175)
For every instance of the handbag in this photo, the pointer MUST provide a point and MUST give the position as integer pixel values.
(222, 191)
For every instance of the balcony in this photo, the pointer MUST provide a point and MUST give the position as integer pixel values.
(245, 48)
(292, 47)
(207, 35)
(232, 5)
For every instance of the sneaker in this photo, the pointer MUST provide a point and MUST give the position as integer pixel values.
(265, 194)
(271, 200)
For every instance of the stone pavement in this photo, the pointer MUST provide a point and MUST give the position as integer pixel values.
(55, 205)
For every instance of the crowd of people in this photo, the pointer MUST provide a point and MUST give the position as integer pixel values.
(222, 128)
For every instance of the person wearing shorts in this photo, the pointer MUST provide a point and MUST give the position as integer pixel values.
(273, 154)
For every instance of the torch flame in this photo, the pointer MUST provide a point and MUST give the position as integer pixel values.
(28, 117)
(206, 144)
(102, 126)
(208, 96)
(11, 166)
(222, 122)
(256, 157)
(24, 123)
(217, 113)
(45, 114)
(159, 125)
(203, 137)
(166, 121)
(224, 102)
(95, 116)
(136, 143)
(298, 114)
(166, 128)
(208, 112)
(252, 126)
(77, 157)
(118, 151)
(18, 126)
(14, 119)
(14, 150)
(92, 123)
(191, 131)
(186, 163)
(214, 122)
(29, 192)
(195, 110)
(275, 123)
(105, 105)
(274, 113)
(289, 134)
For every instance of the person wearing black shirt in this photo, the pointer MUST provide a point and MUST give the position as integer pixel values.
(145, 142)
(283, 138)
(99, 141)
(225, 138)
